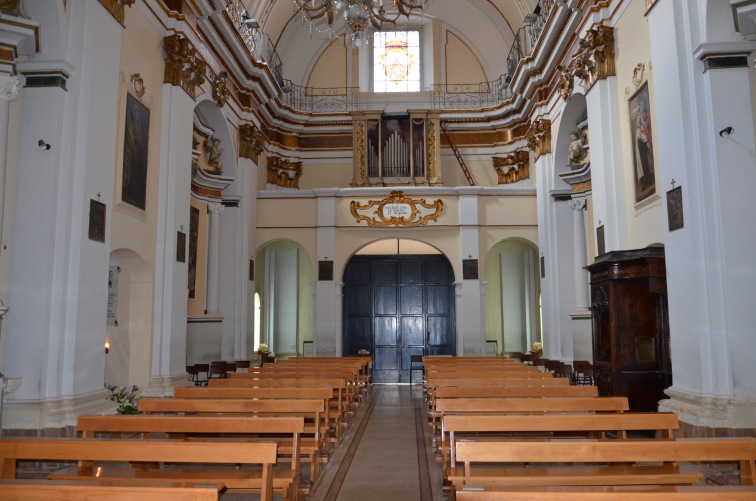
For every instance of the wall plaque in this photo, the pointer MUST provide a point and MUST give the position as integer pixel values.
(397, 210)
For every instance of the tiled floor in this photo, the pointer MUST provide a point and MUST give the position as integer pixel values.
(387, 454)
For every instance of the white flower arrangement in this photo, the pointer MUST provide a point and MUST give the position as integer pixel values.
(537, 346)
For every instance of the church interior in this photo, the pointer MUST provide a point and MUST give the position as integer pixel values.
(185, 182)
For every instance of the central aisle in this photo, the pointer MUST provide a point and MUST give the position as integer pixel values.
(387, 453)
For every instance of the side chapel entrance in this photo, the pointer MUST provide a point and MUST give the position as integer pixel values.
(397, 306)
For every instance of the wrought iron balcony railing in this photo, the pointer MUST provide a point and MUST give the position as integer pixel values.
(260, 45)
(470, 96)
(320, 100)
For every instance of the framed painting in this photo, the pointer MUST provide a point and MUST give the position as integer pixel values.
(325, 270)
(181, 247)
(96, 221)
(644, 171)
(135, 146)
(469, 269)
(194, 215)
(600, 242)
(675, 209)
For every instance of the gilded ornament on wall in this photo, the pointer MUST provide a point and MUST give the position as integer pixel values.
(220, 89)
(251, 142)
(115, 7)
(361, 167)
(396, 210)
(593, 61)
(284, 173)
(513, 167)
(539, 137)
(183, 65)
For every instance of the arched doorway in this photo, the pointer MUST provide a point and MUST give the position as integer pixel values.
(398, 302)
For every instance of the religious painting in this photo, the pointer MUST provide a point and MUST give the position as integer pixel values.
(469, 269)
(325, 270)
(181, 247)
(675, 209)
(543, 267)
(193, 237)
(136, 138)
(600, 243)
(644, 171)
(96, 221)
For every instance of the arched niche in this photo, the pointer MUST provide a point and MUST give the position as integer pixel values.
(215, 124)
(513, 313)
(283, 278)
(129, 335)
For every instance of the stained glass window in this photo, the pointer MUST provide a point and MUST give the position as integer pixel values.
(396, 61)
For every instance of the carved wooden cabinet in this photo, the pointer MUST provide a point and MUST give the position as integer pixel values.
(630, 326)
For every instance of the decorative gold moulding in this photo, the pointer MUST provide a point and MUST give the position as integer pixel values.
(581, 187)
(115, 7)
(183, 65)
(512, 168)
(396, 210)
(539, 137)
(284, 173)
(593, 61)
(251, 142)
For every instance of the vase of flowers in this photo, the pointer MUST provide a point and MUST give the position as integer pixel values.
(537, 350)
(125, 397)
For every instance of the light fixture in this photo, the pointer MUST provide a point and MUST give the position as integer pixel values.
(248, 21)
(725, 133)
(358, 15)
(107, 347)
(43, 145)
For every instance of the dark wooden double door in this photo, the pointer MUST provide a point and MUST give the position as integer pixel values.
(396, 307)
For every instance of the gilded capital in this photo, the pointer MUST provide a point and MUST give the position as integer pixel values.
(513, 167)
(593, 61)
(284, 173)
(251, 142)
(117, 8)
(539, 137)
(183, 66)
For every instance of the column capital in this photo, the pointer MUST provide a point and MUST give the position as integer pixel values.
(215, 209)
(9, 87)
(577, 204)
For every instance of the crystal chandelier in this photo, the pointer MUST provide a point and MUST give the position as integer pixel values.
(359, 15)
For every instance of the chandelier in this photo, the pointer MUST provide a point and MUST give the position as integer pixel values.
(359, 15)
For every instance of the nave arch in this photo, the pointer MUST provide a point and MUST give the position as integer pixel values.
(513, 296)
(129, 335)
(283, 279)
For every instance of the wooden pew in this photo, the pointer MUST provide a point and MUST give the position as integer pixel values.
(285, 431)
(260, 456)
(547, 461)
(515, 405)
(493, 391)
(339, 387)
(462, 427)
(311, 409)
(63, 490)
(331, 414)
(352, 385)
(351, 373)
(621, 493)
(364, 364)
